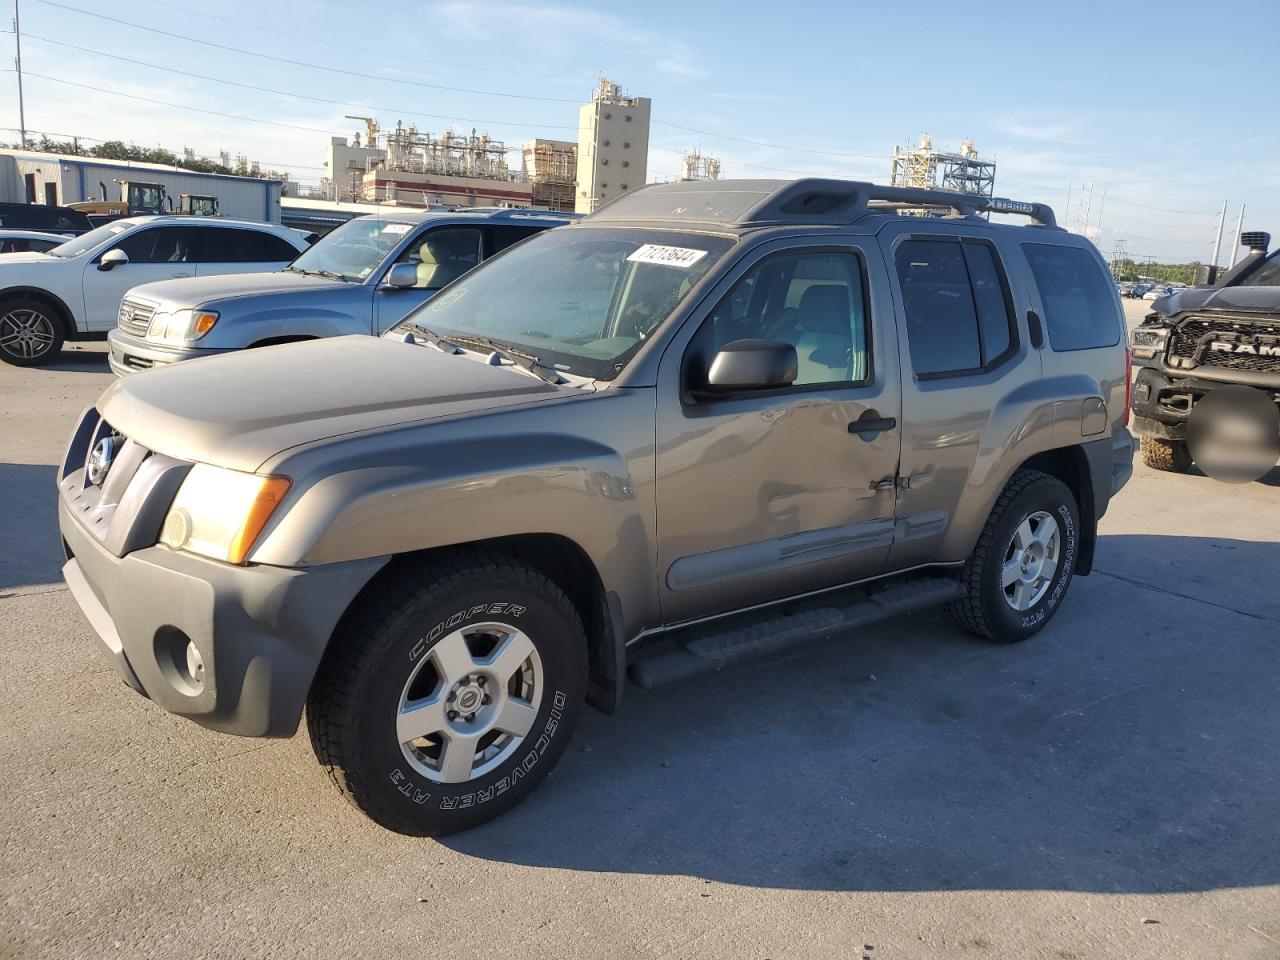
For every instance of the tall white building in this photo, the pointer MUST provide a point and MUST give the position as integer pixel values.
(613, 146)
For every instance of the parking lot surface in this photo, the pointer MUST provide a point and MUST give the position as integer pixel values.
(1110, 788)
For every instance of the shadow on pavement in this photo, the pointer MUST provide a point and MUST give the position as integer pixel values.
(1130, 747)
(30, 549)
(72, 360)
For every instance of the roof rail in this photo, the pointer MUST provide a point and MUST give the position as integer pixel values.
(512, 213)
(758, 203)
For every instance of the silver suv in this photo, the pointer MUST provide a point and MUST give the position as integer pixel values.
(361, 278)
(710, 421)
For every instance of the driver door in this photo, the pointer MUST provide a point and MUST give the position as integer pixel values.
(441, 254)
(774, 493)
(155, 253)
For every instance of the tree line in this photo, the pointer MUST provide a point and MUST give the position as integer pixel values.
(119, 150)
(1163, 272)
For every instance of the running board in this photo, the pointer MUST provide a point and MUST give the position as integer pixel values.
(697, 650)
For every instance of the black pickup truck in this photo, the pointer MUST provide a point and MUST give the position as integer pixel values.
(1197, 340)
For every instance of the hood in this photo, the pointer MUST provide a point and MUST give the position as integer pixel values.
(240, 409)
(27, 259)
(188, 292)
(1224, 299)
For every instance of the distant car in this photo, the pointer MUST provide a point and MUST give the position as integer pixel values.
(1127, 289)
(1156, 292)
(42, 216)
(363, 277)
(74, 290)
(29, 241)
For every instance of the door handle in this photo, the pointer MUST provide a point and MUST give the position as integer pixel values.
(1035, 329)
(872, 422)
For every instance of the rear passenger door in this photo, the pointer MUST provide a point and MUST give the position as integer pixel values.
(1084, 334)
(241, 250)
(964, 351)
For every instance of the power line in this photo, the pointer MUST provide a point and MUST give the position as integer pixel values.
(298, 96)
(344, 44)
(761, 143)
(181, 106)
(302, 63)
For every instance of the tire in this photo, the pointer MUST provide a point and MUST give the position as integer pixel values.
(1170, 456)
(419, 629)
(990, 608)
(31, 332)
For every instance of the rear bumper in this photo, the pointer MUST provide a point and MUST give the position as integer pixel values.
(130, 354)
(260, 631)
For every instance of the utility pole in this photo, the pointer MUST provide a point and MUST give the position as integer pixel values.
(1217, 241)
(17, 62)
(1234, 254)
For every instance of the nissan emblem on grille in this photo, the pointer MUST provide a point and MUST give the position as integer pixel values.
(101, 459)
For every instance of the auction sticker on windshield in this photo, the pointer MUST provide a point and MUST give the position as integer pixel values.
(682, 257)
(396, 228)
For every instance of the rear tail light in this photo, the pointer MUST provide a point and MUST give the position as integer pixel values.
(1128, 385)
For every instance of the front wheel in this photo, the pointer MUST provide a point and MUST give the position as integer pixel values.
(30, 333)
(1019, 572)
(1170, 456)
(450, 693)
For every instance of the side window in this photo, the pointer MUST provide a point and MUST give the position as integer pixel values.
(160, 245)
(1079, 304)
(813, 301)
(442, 255)
(957, 310)
(502, 237)
(232, 245)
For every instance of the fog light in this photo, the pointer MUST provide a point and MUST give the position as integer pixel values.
(195, 664)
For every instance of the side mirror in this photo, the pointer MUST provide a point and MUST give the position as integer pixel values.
(112, 259)
(752, 365)
(401, 276)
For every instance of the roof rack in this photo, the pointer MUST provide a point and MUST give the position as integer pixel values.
(759, 203)
(515, 213)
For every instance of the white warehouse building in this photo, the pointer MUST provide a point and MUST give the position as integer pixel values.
(59, 179)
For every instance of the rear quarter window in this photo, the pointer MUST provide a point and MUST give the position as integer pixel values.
(1080, 311)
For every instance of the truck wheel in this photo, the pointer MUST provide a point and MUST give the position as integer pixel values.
(1171, 456)
(1019, 572)
(449, 694)
(31, 334)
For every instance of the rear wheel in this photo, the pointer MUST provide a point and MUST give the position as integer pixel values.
(450, 694)
(31, 333)
(1171, 456)
(1019, 572)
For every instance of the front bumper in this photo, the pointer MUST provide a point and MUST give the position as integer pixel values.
(130, 354)
(1163, 401)
(260, 631)
(256, 633)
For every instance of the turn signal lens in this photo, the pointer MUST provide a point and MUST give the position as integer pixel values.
(202, 322)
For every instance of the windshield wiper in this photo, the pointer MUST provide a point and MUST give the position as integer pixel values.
(433, 338)
(321, 273)
(526, 361)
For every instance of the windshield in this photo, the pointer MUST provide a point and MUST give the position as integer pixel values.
(354, 250)
(581, 300)
(1267, 275)
(88, 241)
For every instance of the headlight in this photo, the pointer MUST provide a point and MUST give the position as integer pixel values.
(219, 513)
(181, 326)
(1146, 342)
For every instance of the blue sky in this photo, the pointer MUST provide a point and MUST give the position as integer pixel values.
(1148, 101)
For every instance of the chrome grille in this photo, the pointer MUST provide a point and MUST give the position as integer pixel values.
(1193, 337)
(135, 316)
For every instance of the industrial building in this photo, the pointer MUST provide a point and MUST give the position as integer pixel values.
(550, 167)
(54, 178)
(923, 166)
(613, 146)
(695, 166)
